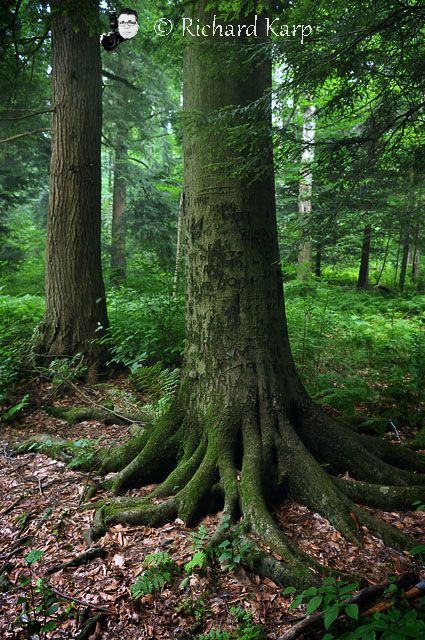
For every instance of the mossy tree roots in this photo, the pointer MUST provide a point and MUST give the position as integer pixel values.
(244, 468)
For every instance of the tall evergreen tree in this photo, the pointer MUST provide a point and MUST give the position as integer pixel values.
(243, 431)
(75, 296)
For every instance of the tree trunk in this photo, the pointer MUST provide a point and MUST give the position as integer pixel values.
(305, 191)
(404, 259)
(318, 262)
(118, 254)
(415, 264)
(179, 246)
(242, 431)
(75, 296)
(363, 278)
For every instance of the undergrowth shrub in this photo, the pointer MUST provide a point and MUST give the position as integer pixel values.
(144, 328)
(359, 351)
(18, 318)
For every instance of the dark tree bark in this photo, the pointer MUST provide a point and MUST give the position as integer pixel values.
(75, 296)
(179, 245)
(404, 260)
(363, 278)
(118, 252)
(242, 431)
(318, 262)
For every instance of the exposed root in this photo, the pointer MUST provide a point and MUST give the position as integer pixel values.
(383, 497)
(398, 456)
(344, 449)
(312, 486)
(154, 461)
(390, 536)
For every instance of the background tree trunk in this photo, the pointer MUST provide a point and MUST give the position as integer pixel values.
(305, 191)
(118, 253)
(363, 278)
(75, 296)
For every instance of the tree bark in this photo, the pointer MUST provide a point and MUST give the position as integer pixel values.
(363, 278)
(179, 245)
(305, 192)
(404, 259)
(118, 252)
(75, 296)
(242, 431)
(318, 262)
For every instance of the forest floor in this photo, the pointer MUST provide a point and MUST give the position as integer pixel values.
(40, 510)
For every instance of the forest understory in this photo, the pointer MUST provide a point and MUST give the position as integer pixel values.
(41, 510)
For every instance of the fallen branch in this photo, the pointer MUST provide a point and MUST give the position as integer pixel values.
(78, 561)
(361, 598)
(78, 601)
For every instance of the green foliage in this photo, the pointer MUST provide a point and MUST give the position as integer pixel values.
(359, 351)
(159, 570)
(398, 622)
(42, 610)
(12, 411)
(18, 317)
(247, 629)
(233, 550)
(193, 607)
(330, 598)
(144, 328)
(159, 385)
(65, 370)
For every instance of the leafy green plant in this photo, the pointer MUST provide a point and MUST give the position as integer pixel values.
(193, 607)
(397, 623)
(419, 505)
(12, 411)
(233, 550)
(18, 318)
(330, 597)
(144, 328)
(247, 629)
(43, 610)
(159, 570)
(62, 371)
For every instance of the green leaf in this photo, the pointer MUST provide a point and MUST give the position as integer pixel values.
(49, 626)
(417, 550)
(314, 604)
(34, 556)
(288, 590)
(352, 611)
(330, 616)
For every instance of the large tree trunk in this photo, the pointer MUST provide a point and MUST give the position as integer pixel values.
(75, 296)
(305, 192)
(179, 245)
(242, 431)
(363, 278)
(118, 253)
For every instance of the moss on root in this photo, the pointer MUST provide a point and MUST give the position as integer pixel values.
(241, 462)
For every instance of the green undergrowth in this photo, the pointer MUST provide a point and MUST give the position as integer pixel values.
(18, 318)
(144, 328)
(360, 352)
(342, 620)
(357, 352)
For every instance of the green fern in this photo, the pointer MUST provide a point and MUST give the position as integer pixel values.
(198, 561)
(199, 538)
(160, 569)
